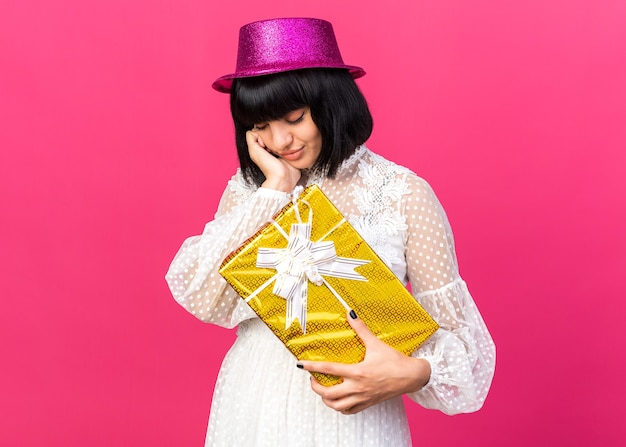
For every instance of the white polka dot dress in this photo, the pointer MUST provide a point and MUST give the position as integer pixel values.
(261, 398)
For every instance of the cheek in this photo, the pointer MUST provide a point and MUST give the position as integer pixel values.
(315, 136)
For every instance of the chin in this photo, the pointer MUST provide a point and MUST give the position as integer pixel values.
(302, 165)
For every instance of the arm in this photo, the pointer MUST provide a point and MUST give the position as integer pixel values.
(453, 370)
(461, 353)
(383, 374)
(193, 276)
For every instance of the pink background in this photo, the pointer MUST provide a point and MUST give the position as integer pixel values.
(114, 149)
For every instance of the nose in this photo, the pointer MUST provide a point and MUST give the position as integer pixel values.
(281, 137)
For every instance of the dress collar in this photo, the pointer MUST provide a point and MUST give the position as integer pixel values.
(356, 156)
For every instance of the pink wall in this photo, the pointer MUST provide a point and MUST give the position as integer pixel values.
(113, 149)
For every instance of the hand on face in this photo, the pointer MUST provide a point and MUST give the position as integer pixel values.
(279, 174)
(282, 147)
(383, 374)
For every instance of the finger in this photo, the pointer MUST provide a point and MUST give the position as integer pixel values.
(252, 141)
(332, 368)
(251, 137)
(318, 388)
(335, 397)
(361, 329)
(329, 393)
(356, 409)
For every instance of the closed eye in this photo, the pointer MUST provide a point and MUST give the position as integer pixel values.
(291, 118)
(295, 121)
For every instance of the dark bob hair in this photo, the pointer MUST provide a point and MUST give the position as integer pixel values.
(337, 106)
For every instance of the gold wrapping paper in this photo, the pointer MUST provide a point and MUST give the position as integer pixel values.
(380, 300)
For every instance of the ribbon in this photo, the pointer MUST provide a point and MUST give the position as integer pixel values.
(301, 262)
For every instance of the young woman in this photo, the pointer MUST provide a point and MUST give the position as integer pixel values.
(300, 119)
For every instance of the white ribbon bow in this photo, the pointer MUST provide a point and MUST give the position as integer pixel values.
(302, 261)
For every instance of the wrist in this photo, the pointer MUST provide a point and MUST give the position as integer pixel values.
(421, 372)
(284, 184)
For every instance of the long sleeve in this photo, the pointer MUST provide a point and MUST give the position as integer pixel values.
(193, 275)
(461, 352)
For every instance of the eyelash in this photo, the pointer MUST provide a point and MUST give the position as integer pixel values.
(296, 121)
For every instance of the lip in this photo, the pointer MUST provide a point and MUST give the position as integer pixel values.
(292, 154)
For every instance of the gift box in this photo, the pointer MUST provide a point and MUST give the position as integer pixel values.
(302, 271)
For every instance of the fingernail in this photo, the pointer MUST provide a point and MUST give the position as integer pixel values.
(353, 314)
(300, 365)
